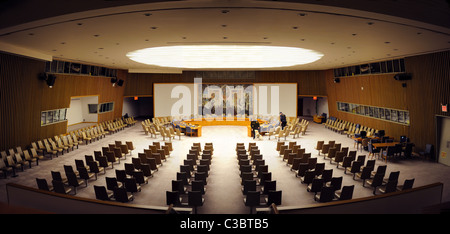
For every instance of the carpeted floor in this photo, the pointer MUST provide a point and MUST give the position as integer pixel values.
(223, 191)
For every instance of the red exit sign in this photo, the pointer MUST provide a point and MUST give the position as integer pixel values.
(444, 108)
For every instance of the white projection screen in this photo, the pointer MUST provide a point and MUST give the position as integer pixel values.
(171, 96)
(268, 99)
(271, 99)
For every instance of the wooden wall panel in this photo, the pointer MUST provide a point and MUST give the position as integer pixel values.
(422, 96)
(23, 96)
(309, 82)
(374, 90)
(429, 87)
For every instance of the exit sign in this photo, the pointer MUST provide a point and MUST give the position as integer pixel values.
(444, 108)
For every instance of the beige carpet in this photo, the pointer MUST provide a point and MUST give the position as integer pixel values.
(223, 195)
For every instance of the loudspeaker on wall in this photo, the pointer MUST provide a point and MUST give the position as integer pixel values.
(403, 76)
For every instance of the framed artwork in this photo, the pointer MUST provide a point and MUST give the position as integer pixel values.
(43, 118)
(407, 117)
(381, 112)
(53, 116)
(401, 116)
(394, 116)
(387, 114)
(49, 117)
(398, 116)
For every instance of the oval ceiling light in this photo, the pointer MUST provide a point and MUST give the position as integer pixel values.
(224, 56)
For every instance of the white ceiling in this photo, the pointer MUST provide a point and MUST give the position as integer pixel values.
(103, 36)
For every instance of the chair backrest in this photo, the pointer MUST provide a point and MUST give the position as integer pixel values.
(327, 174)
(428, 148)
(68, 169)
(103, 161)
(130, 145)
(370, 163)
(352, 154)
(172, 198)
(377, 180)
(381, 169)
(34, 153)
(326, 194)
(325, 148)
(111, 183)
(274, 197)
(391, 186)
(356, 167)
(246, 176)
(26, 155)
(121, 195)
(270, 185)
(198, 186)
(72, 179)
(18, 158)
(253, 198)
(319, 168)
(42, 184)
(131, 184)
(56, 175)
(312, 163)
(394, 175)
(146, 169)
(59, 187)
(249, 185)
(365, 174)
(336, 183)
(100, 192)
(316, 185)
(347, 192)
(195, 198)
(302, 168)
(93, 167)
(408, 184)
(200, 176)
(308, 177)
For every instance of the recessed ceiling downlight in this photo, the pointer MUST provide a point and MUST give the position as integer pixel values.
(224, 56)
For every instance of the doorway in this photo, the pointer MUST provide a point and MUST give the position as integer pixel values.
(443, 139)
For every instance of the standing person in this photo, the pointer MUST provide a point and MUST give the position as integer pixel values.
(255, 126)
(283, 120)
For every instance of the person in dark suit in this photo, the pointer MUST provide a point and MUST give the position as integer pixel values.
(283, 120)
(255, 126)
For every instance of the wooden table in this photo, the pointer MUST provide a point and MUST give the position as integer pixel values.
(382, 146)
(196, 131)
(234, 121)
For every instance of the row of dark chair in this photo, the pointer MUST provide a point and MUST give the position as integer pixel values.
(85, 170)
(361, 169)
(135, 174)
(18, 159)
(314, 175)
(256, 180)
(191, 180)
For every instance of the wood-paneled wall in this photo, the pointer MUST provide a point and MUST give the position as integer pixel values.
(23, 96)
(309, 82)
(422, 96)
(430, 87)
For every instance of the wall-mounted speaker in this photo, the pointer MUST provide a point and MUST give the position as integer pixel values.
(51, 80)
(120, 82)
(337, 80)
(403, 76)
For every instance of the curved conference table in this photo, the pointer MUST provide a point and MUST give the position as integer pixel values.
(196, 124)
